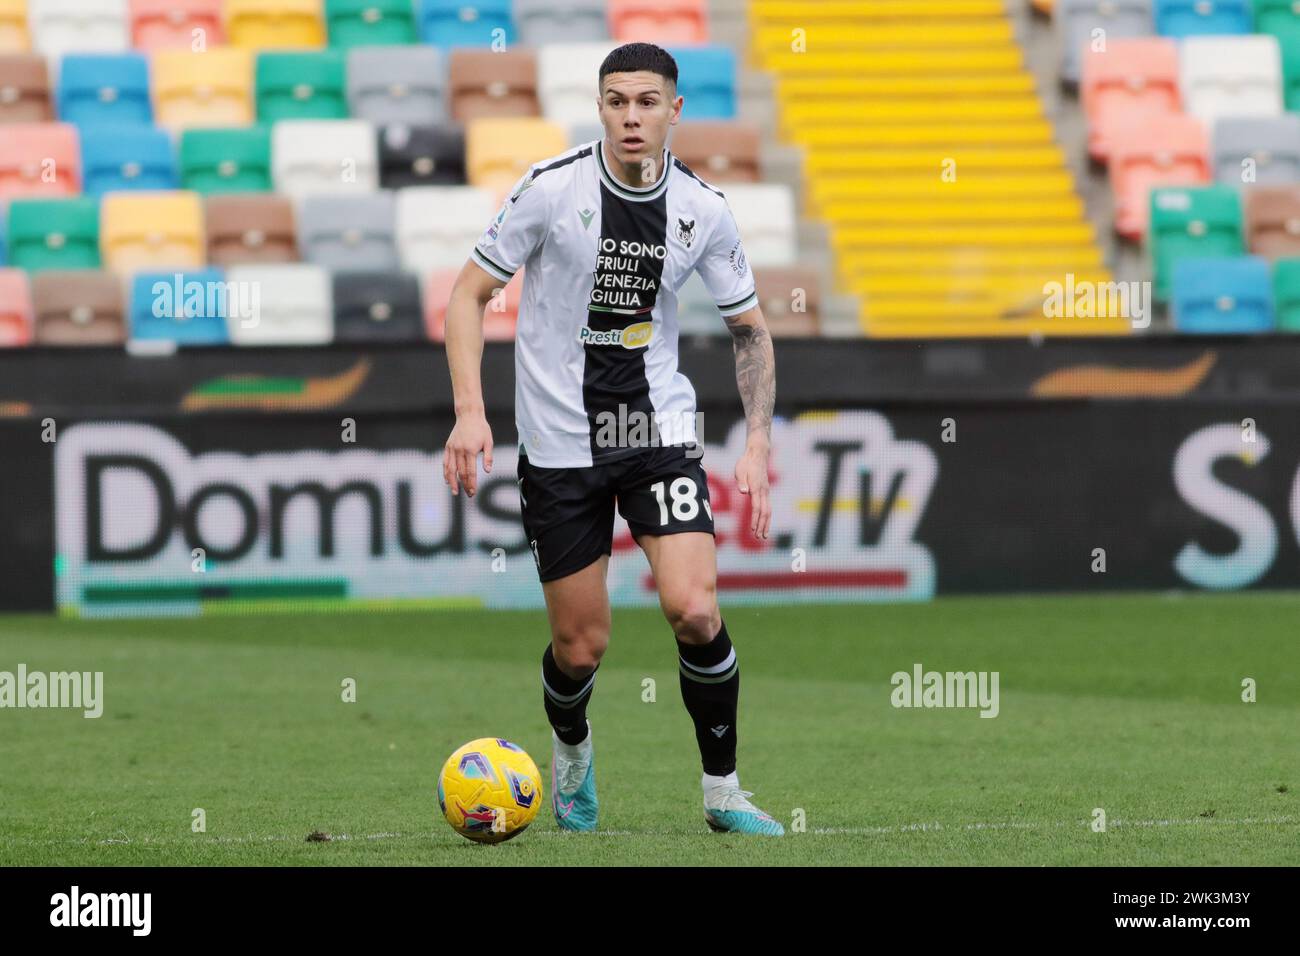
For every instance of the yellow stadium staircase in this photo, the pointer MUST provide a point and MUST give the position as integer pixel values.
(950, 205)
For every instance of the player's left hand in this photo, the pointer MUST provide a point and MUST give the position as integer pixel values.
(751, 476)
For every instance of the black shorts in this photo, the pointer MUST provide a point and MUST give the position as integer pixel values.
(569, 512)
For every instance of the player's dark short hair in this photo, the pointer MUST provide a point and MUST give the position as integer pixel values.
(631, 57)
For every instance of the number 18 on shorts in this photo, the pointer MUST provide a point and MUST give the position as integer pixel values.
(568, 513)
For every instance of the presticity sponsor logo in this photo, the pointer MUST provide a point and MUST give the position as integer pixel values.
(633, 337)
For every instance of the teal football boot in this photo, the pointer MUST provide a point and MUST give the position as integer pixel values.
(573, 784)
(727, 809)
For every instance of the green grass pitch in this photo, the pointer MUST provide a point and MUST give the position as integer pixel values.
(1129, 703)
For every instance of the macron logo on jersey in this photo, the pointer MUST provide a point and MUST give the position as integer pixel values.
(632, 337)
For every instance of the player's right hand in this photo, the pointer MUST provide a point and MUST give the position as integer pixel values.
(460, 458)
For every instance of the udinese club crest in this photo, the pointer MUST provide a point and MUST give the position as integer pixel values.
(686, 232)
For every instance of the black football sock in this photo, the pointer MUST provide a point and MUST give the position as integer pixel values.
(710, 678)
(566, 700)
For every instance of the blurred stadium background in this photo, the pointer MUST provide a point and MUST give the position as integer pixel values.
(1033, 269)
(979, 230)
(919, 169)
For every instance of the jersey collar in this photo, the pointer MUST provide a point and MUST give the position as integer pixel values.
(632, 193)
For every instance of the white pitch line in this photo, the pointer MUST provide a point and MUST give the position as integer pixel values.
(928, 827)
(1051, 824)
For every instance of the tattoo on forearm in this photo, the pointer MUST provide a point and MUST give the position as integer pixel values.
(755, 373)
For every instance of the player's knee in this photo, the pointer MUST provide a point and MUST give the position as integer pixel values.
(578, 648)
(694, 616)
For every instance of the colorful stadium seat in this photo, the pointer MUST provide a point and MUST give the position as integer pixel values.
(250, 229)
(1129, 79)
(349, 232)
(1158, 151)
(24, 89)
(449, 23)
(1203, 222)
(14, 35)
(1278, 17)
(659, 21)
(765, 215)
(370, 22)
(301, 86)
(78, 307)
(377, 307)
(1290, 44)
(275, 24)
(54, 233)
(296, 305)
(39, 160)
(160, 230)
(500, 315)
(483, 83)
(540, 22)
(718, 151)
(310, 156)
(1257, 149)
(403, 84)
(567, 82)
(104, 88)
(421, 156)
(1286, 294)
(791, 300)
(1272, 221)
(78, 26)
(176, 24)
(213, 88)
(436, 224)
(707, 79)
(127, 158)
(15, 309)
(498, 150)
(234, 159)
(1076, 21)
(1231, 76)
(1222, 296)
(1186, 18)
(186, 307)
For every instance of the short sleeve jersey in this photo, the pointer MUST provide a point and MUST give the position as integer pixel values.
(596, 340)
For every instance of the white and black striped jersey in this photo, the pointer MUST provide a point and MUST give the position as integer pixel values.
(597, 330)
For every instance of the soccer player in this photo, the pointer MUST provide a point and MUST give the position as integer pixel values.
(608, 232)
